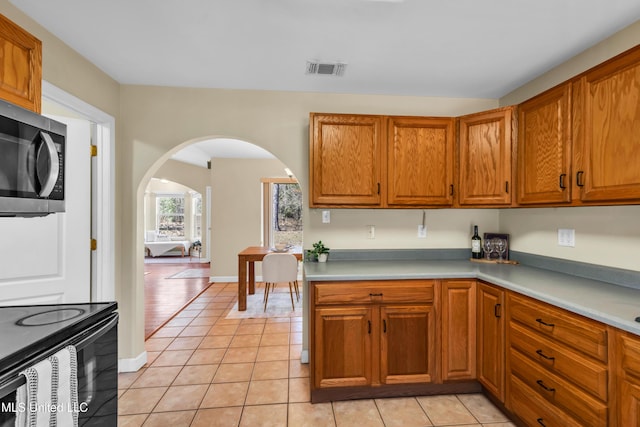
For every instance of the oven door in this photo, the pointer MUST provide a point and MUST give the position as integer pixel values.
(97, 356)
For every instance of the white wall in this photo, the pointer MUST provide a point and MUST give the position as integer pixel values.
(606, 235)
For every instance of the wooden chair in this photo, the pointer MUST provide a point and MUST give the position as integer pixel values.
(277, 268)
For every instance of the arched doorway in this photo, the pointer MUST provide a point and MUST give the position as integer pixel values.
(234, 170)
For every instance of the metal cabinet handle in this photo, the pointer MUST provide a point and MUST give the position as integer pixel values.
(579, 176)
(506, 187)
(562, 176)
(541, 354)
(497, 310)
(369, 323)
(384, 326)
(542, 322)
(540, 421)
(451, 190)
(376, 295)
(47, 165)
(541, 384)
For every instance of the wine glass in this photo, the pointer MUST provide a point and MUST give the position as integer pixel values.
(488, 248)
(502, 248)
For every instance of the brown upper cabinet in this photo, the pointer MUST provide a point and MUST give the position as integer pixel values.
(21, 67)
(607, 128)
(485, 153)
(576, 144)
(345, 160)
(544, 148)
(420, 155)
(380, 161)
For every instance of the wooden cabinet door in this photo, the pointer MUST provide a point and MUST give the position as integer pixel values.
(544, 143)
(485, 158)
(407, 344)
(420, 156)
(491, 342)
(458, 329)
(608, 102)
(21, 66)
(345, 160)
(342, 352)
(629, 395)
(627, 370)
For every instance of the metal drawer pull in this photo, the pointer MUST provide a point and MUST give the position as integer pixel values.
(551, 325)
(369, 322)
(375, 295)
(384, 326)
(562, 186)
(579, 182)
(541, 384)
(497, 312)
(540, 353)
(540, 421)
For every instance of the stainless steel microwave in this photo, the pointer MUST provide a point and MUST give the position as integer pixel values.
(32, 162)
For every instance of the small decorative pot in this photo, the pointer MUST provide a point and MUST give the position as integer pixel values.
(322, 257)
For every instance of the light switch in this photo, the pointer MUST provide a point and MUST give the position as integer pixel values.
(567, 237)
(326, 217)
(371, 231)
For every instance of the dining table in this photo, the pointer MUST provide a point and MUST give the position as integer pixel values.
(246, 264)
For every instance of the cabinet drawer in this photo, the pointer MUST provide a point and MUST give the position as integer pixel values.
(557, 391)
(374, 292)
(534, 410)
(570, 329)
(582, 371)
(629, 349)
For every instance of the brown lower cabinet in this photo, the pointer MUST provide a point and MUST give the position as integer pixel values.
(371, 334)
(544, 365)
(490, 330)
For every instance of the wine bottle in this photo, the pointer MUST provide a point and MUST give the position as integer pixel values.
(476, 244)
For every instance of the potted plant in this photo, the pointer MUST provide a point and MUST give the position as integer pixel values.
(320, 251)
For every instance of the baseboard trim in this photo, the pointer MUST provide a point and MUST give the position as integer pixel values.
(132, 365)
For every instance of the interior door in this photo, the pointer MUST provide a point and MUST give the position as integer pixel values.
(47, 259)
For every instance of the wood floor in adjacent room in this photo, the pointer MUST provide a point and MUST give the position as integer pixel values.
(164, 297)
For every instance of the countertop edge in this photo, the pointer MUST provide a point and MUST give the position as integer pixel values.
(586, 297)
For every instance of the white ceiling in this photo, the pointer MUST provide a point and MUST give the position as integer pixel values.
(452, 48)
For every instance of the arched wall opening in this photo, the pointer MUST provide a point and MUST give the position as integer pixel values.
(235, 199)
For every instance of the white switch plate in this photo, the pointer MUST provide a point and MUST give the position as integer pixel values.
(422, 231)
(371, 231)
(326, 217)
(567, 237)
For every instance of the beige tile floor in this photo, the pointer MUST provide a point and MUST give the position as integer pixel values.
(205, 370)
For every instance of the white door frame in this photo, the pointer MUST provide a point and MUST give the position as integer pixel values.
(103, 214)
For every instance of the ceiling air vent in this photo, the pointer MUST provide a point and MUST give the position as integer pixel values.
(325, 68)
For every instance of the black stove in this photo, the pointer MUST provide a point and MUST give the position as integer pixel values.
(29, 334)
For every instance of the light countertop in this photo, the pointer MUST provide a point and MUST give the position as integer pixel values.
(608, 303)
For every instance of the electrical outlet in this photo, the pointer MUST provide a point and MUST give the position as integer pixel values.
(422, 231)
(371, 231)
(567, 237)
(326, 217)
